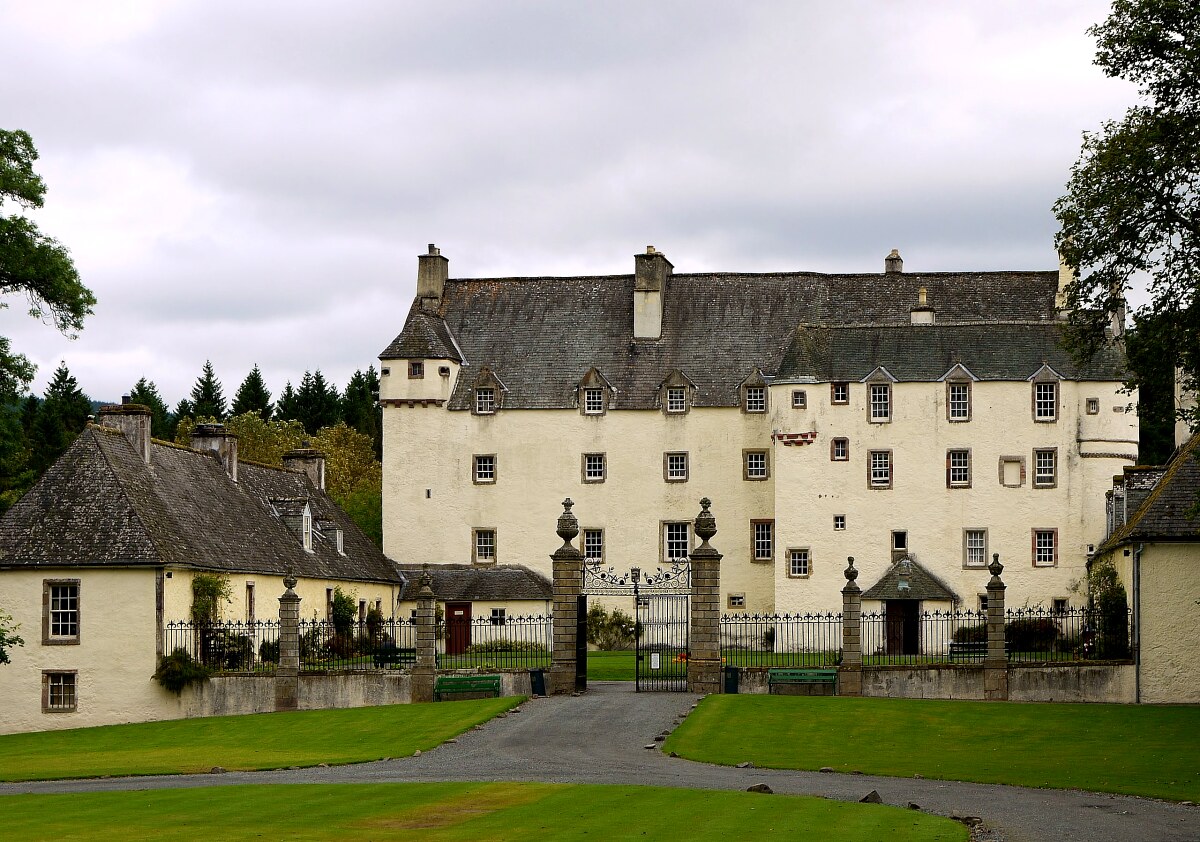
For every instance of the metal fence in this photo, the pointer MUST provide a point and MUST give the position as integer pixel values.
(781, 640)
(497, 642)
(226, 646)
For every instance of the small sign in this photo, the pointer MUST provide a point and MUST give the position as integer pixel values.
(655, 661)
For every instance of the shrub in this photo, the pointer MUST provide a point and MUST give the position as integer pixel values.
(178, 670)
(1031, 634)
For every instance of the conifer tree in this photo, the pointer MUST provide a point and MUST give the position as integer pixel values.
(253, 396)
(208, 398)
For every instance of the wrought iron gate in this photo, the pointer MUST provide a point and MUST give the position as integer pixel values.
(661, 642)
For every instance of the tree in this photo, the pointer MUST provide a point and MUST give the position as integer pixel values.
(1132, 207)
(8, 636)
(146, 393)
(208, 397)
(317, 402)
(31, 262)
(253, 396)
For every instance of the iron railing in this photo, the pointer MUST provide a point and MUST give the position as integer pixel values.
(781, 640)
(498, 642)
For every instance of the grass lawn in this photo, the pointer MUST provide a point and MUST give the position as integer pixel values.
(475, 812)
(259, 741)
(1136, 750)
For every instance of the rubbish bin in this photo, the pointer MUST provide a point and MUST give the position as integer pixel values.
(732, 674)
(537, 682)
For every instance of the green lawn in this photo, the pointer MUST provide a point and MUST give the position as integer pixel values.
(260, 741)
(475, 812)
(1136, 750)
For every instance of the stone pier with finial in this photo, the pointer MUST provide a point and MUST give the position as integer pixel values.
(849, 680)
(704, 637)
(995, 665)
(568, 586)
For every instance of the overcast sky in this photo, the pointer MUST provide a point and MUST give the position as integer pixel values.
(252, 182)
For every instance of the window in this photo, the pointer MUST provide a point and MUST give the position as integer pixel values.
(839, 523)
(756, 398)
(675, 467)
(958, 468)
(484, 546)
(839, 450)
(799, 399)
(60, 611)
(880, 468)
(498, 617)
(416, 369)
(249, 602)
(676, 399)
(485, 468)
(1045, 547)
(881, 402)
(1045, 401)
(595, 467)
(958, 401)
(1012, 471)
(798, 567)
(1093, 406)
(899, 541)
(1045, 465)
(762, 536)
(839, 393)
(974, 548)
(58, 691)
(676, 541)
(737, 600)
(485, 400)
(754, 464)
(593, 401)
(593, 544)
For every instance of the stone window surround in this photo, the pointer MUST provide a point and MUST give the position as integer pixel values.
(766, 465)
(484, 532)
(47, 676)
(966, 562)
(756, 525)
(487, 460)
(61, 640)
(592, 478)
(673, 456)
(793, 556)
(1053, 534)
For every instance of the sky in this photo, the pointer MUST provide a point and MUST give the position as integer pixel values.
(251, 183)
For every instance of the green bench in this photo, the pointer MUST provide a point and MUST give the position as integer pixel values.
(395, 656)
(778, 677)
(455, 684)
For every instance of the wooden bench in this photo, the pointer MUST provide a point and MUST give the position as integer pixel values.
(454, 684)
(388, 656)
(778, 677)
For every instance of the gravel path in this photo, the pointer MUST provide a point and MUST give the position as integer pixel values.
(601, 737)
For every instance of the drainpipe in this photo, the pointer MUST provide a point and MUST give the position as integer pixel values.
(1137, 623)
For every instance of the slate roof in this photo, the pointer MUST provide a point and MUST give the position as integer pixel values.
(921, 585)
(1171, 511)
(541, 335)
(100, 504)
(464, 583)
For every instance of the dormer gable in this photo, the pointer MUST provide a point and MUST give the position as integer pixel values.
(487, 392)
(676, 393)
(594, 395)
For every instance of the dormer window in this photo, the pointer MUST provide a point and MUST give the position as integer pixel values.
(593, 401)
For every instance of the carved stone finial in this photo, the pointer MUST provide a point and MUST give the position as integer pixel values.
(289, 580)
(706, 524)
(568, 524)
(850, 572)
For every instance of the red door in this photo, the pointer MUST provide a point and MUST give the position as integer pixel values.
(458, 627)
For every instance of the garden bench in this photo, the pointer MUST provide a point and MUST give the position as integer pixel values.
(392, 655)
(451, 684)
(800, 676)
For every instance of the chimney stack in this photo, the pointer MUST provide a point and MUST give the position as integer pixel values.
(216, 439)
(307, 460)
(651, 271)
(893, 264)
(432, 271)
(133, 420)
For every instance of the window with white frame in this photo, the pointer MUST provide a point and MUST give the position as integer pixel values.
(798, 563)
(754, 464)
(756, 398)
(880, 468)
(763, 539)
(485, 546)
(974, 548)
(1045, 468)
(839, 449)
(839, 523)
(675, 467)
(1045, 401)
(1045, 547)
(881, 402)
(60, 617)
(485, 468)
(958, 468)
(958, 401)
(595, 467)
(59, 691)
(839, 393)
(593, 400)
(485, 400)
(499, 617)
(676, 399)
(799, 399)
(677, 541)
(593, 544)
